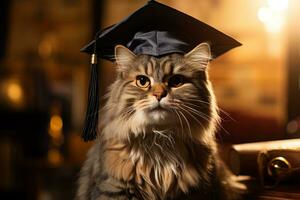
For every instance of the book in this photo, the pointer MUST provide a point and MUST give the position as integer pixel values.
(242, 159)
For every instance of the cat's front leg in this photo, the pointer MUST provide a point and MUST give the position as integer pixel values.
(114, 196)
(112, 189)
(111, 197)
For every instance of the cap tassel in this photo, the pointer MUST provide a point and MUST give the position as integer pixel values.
(90, 129)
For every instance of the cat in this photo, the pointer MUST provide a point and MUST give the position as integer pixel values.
(157, 138)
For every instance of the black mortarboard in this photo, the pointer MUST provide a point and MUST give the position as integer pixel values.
(156, 30)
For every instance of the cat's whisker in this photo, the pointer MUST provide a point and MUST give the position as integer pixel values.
(207, 103)
(203, 115)
(193, 117)
(208, 118)
(186, 101)
(181, 108)
(187, 123)
(197, 100)
(217, 117)
(195, 105)
(198, 113)
(181, 123)
(179, 118)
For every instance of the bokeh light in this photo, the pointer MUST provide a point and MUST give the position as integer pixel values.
(56, 124)
(273, 15)
(14, 92)
(278, 4)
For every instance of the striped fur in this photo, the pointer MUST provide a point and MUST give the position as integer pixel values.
(150, 149)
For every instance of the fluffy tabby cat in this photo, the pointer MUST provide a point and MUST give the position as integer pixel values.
(157, 136)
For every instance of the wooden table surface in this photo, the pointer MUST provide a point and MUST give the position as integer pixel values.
(284, 191)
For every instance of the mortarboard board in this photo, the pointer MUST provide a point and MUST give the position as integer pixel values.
(156, 30)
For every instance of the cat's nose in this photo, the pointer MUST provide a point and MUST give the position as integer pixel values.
(159, 91)
(159, 96)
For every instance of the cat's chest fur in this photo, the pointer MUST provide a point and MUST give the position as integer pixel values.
(159, 170)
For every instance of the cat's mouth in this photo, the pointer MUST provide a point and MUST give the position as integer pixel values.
(157, 108)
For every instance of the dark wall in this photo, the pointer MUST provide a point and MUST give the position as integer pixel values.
(4, 11)
(293, 84)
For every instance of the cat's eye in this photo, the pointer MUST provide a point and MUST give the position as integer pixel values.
(142, 81)
(176, 81)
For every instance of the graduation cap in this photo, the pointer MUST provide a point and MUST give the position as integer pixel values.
(155, 29)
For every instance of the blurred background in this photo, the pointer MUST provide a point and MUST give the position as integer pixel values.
(44, 81)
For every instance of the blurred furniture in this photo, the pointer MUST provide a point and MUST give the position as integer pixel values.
(271, 169)
(282, 192)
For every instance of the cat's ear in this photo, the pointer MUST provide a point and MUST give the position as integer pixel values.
(200, 56)
(124, 57)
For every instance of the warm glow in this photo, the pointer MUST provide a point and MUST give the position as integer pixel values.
(278, 4)
(54, 157)
(273, 15)
(55, 130)
(264, 14)
(14, 92)
(275, 26)
(56, 124)
(47, 46)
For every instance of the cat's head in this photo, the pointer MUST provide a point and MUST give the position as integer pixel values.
(169, 91)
